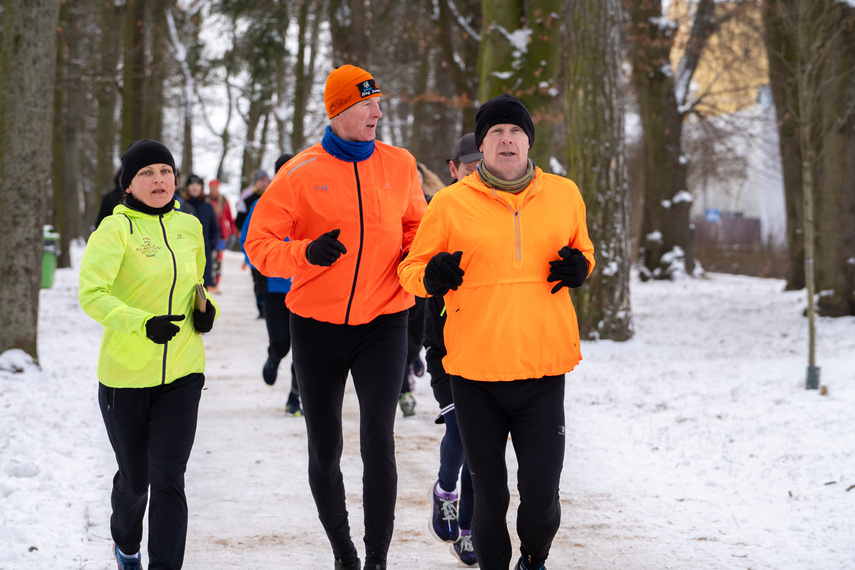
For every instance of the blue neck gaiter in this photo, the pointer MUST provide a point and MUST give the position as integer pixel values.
(346, 150)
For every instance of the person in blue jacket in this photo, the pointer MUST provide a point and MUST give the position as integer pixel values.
(278, 318)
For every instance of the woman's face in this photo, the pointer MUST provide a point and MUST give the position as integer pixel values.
(154, 185)
(195, 189)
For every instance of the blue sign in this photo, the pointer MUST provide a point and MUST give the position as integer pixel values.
(713, 215)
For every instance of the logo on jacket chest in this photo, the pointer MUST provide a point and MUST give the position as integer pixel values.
(326, 187)
(147, 248)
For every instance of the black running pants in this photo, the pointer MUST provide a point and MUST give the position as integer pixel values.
(152, 432)
(532, 412)
(278, 318)
(374, 354)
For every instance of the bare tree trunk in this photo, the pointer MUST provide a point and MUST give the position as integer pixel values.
(822, 71)
(183, 42)
(459, 47)
(594, 111)
(281, 105)
(133, 74)
(252, 149)
(301, 93)
(519, 55)
(68, 103)
(430, 144)
(781, 53)
(810, 243)
(27, 60)
(495, 57)
(187, 136)
(229, 67)
(349, 28)
(835, 219)
(55, 191)
(155, 80)
(666, 247)
(107, 92)
(539, 76)
(304, 71)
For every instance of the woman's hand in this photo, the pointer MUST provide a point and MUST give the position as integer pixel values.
(204, 322)
(160, 329)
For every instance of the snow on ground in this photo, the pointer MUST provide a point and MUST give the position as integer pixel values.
(692, 446)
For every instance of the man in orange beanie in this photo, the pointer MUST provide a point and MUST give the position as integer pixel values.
(350, 206)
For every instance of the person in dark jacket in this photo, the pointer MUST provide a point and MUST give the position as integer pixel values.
(194, 195)
(260, 182)
(110, 199)
(451, 513)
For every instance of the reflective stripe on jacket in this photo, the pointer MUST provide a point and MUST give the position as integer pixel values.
(503, 321)
(137, 266)
(377, 204)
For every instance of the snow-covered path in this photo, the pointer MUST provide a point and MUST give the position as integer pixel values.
(693, 446)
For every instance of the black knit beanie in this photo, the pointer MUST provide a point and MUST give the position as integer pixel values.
(504, 109)
(194, 178)
(140, 154)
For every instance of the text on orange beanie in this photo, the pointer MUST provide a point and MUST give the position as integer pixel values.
(346, 86)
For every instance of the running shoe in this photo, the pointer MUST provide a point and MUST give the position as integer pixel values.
(408, 404)
(348, 562)
(270, 371)
(127, 562)
(443, 519)
(463, 550)
(292, 406)
(524, 563)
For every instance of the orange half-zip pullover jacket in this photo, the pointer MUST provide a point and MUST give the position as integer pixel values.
(377, 204)
(503, 321)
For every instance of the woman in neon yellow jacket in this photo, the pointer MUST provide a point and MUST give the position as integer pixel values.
(139, 278)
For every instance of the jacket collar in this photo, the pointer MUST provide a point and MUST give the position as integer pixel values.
(124, 209)
(474, 181)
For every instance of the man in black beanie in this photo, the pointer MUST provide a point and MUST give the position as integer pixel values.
(505, 109)
(519, 241)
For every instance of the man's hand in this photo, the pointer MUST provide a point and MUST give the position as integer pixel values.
(443, 273)
(570, 271)
(325, 250)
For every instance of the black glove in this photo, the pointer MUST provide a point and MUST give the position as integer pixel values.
(160, 329)
(204, 322)
(326, 249)
(570, 271)
(443, 273)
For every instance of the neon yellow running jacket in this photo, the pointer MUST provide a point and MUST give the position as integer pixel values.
(137, 266)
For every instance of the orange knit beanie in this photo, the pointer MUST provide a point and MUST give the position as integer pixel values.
(346, 86)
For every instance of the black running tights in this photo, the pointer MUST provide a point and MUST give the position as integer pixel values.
(532, 412)
(374, 354)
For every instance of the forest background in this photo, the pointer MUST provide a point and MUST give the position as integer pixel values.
(229, 85)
